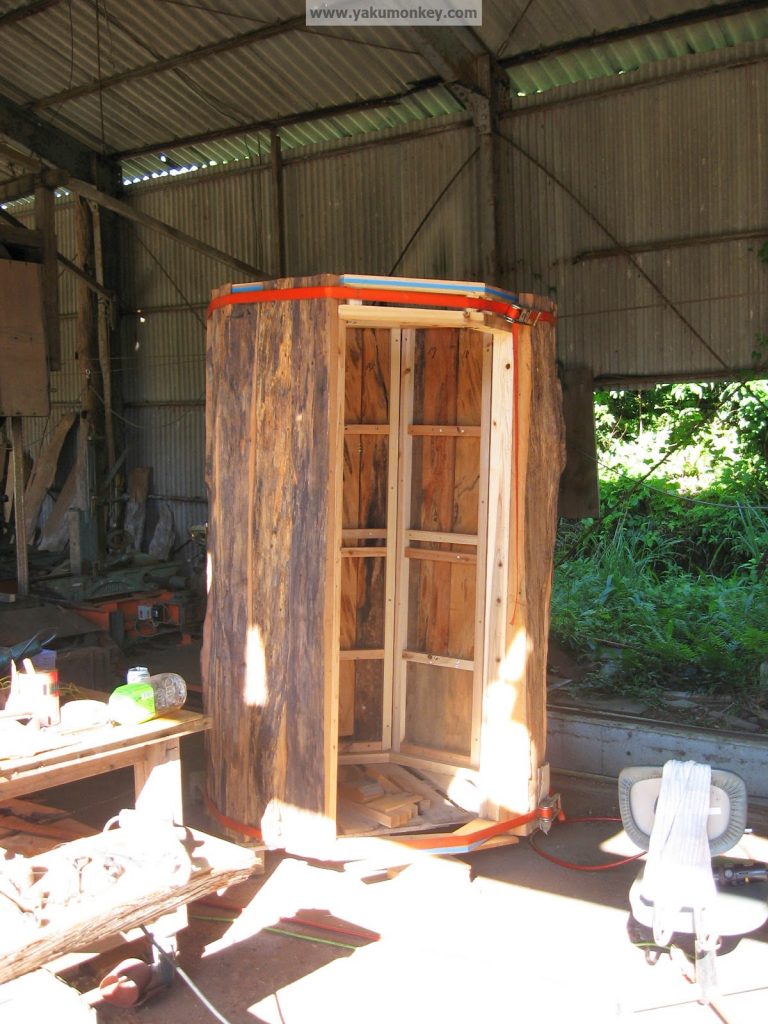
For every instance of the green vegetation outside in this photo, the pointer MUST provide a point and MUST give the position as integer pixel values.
(668, 590)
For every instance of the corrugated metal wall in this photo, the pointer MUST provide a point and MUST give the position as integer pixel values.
(165, 289)
(385, 209)
(582, 169)
(670, 161)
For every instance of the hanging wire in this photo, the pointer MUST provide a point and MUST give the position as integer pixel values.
(433, 207)
(673, 307)
(514, 28)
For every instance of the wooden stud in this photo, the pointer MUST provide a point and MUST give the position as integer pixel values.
(438, 660)
(405, 456)
(482, 549)
(442, 430)
(363, 534)
(500, 522)
(409, 317)
(390, 587)
(373, 429)
(438, 537)
(429, 555)
(362, 654)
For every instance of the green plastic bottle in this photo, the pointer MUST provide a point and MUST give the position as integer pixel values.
(134, 703)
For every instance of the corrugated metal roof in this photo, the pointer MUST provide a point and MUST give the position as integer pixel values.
(296, 70)
(617, 58)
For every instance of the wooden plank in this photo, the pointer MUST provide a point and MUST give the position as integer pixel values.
(135, 897)
(425, 758)
(45, 222)
(431, 555)
(542, 442)
(435, 694)
(351, 752)
(136, 506)
(364, 552)
(442, 430)
(16, 623)
(393, 802)
(363, 534)
(362, 654)
(390, 819)
(346, 695)
(466, 480)
(352, 452)
(407, 782)
(438, 660)
(359, 793)
(100, 750)
(88, 191)
(441, 537)
(411, 317)
(371, 580)
(272, 621)
(404, 491)
(62, 832)
(384, 780)
(390, 579)
(23, 365)
(436, 396)
(495, 734)
(74, 494)
(478, 684)
(366, 429)
(44, 470)
(20, 819)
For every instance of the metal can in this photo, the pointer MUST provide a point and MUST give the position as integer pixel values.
(137, 674)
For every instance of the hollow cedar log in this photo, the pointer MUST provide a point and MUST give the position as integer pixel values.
(466, 638)
(273, 429)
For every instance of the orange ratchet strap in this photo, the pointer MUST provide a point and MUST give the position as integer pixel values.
(389, 295)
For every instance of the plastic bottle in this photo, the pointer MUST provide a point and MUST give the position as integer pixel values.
(133, 703)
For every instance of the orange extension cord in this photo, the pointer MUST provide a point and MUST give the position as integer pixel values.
(584, 867)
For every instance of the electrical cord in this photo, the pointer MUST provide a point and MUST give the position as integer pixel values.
(166, 956)
(583, 867)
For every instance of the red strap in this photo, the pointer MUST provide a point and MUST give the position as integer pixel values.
(230, 823)
(390, 295)
(413, 842)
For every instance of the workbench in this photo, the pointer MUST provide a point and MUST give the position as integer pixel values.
(140, 895)
(152, 749)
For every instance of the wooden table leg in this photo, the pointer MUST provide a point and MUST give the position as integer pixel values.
(157, 780)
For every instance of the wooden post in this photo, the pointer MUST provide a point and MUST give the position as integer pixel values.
(579, 484)
(86, 344)
(45, 222)
(485, 115)
(278, 201)
(22, 558)
(102, 333)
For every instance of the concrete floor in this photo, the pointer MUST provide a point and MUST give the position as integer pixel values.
(499, 935)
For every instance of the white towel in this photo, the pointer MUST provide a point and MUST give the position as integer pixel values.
(678, 871)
